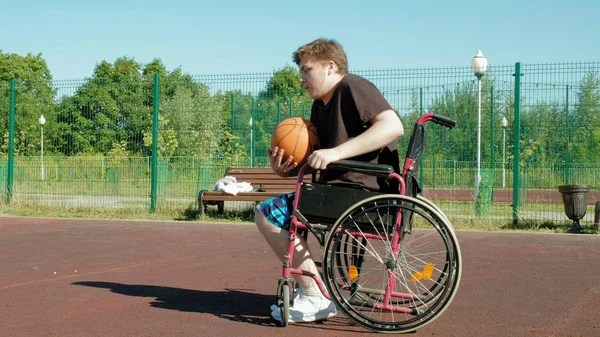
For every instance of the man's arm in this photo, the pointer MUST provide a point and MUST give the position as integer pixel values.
(386, 127)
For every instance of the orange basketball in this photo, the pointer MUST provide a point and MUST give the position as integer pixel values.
(297, 137)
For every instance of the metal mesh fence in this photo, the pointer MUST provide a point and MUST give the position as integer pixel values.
(97, 139)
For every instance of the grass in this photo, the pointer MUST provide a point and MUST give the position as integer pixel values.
(89, 212)
(461, 215)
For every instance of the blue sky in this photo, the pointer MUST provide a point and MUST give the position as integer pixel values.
(236, 36)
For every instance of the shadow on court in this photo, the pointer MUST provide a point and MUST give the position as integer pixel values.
(236, 305)
(232, 304)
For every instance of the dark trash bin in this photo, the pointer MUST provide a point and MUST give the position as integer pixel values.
(575, 201)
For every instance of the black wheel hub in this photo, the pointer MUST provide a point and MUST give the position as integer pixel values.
(391, 264)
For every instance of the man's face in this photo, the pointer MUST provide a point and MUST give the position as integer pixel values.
(314, 77)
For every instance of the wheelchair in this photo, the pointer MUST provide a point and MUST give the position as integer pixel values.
(391, 262)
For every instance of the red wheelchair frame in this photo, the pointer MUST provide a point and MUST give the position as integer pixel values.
(347, 243)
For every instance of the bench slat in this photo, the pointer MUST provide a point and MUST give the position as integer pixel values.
(242, 196)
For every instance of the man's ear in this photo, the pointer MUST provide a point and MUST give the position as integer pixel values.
(330, 67)
(334, 67)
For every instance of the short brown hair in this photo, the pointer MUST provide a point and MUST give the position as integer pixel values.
(324, 50)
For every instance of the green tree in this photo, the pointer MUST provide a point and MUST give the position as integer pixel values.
(115, 105)
(541, 124)
(283, 97)
(34, 93)
(236, 110)
(195, 117)
(283, 84)
(111, 107)
(585, 123)
(459, 103)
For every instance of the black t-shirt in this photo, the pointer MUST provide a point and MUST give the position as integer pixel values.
(355, 101)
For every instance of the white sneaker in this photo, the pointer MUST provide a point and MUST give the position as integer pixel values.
(307, 309)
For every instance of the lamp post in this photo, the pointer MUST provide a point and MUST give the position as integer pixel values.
(42, 121)
(479, 67)
(251, 143)
(504, 124)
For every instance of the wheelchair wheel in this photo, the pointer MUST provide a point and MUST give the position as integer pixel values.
(434, 206)
(353, 257)
(390, 275)
(283, 301)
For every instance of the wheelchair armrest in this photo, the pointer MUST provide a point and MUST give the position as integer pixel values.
(379, 170)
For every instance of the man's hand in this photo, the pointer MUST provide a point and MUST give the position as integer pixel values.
(321, 158)
(282, 169)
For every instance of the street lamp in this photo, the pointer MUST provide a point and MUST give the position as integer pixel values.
(251, 143)
(479, 67)
(504, 124)
(42, 121)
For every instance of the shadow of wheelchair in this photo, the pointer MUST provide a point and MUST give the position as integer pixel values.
(235, 305)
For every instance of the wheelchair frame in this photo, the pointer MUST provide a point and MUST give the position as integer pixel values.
(352, 259)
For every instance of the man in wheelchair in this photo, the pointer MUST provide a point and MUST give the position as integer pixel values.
(354, 121)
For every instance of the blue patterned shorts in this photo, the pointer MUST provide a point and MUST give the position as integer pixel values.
(278, 210)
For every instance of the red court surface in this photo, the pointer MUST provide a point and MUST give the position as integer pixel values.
(120, 278)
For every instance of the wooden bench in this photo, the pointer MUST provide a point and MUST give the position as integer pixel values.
(268, 181)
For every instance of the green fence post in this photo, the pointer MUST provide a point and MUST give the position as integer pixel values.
(113, 180)
(492, 161)
(11, 141)
(278, 112)
(483, 202)
(231, 124)
(569, 168)
(433, 128)
(423, 157)
(516, 143)
(454, 174)
(3, 175)
(154, 170)
(252, 121)
(204, 173)
(163, 178)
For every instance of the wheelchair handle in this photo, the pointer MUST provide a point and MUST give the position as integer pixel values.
(437, 119)
(443, 121)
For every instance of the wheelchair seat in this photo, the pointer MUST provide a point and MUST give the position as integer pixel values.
(323, 203)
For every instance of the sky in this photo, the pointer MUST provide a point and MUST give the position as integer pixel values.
(237, 36)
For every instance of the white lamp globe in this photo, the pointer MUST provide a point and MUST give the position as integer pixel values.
(479, 64)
